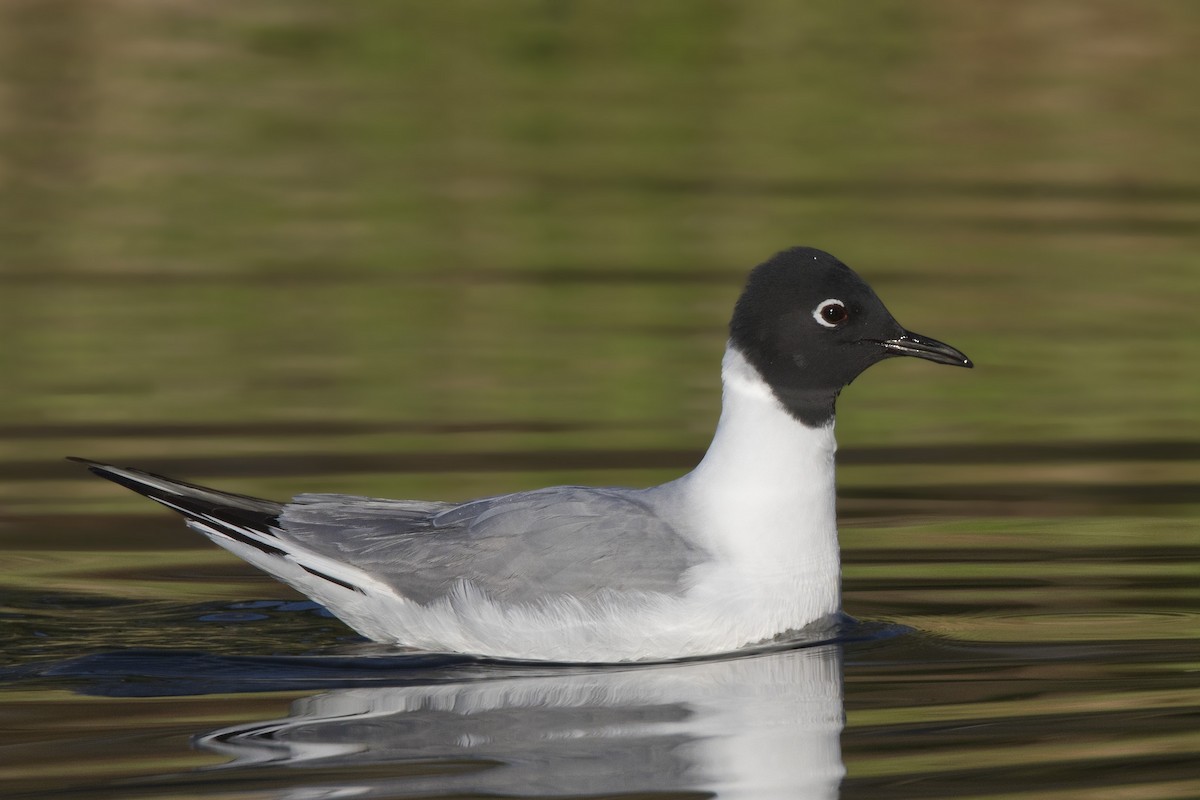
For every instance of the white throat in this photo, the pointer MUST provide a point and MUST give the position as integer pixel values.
(765, 492)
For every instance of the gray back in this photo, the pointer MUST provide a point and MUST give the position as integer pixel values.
(518, 548)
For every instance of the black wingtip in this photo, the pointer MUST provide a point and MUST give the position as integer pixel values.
(232, 515)
(161, 487)
(110, 472)
(87, 462)
(95, 467)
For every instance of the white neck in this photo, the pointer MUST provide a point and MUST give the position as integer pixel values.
(765, 491)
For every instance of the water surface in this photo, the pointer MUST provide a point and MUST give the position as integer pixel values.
(411, 251)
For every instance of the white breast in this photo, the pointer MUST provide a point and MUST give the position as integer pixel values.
(763, 501)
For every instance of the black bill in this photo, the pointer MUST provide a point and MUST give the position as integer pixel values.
(912, 344)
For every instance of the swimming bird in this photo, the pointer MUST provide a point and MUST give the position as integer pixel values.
(739, 551)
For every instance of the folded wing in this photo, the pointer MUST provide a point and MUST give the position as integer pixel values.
(517, 548)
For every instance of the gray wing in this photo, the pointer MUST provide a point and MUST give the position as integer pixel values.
(518, 548)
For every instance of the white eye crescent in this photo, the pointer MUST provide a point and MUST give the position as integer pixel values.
(831, 313)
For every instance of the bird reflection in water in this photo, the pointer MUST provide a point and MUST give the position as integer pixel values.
(757, 726)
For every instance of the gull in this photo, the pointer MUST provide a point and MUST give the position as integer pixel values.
(738, 552)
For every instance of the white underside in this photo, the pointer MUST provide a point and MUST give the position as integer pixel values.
(761, 503)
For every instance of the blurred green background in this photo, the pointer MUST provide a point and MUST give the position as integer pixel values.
(448, 249)
(263, 237)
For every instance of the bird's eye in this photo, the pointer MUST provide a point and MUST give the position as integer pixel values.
(831, 313)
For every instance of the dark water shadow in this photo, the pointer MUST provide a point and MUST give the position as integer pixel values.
(154, 672)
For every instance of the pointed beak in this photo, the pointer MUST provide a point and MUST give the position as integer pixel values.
(912, 344)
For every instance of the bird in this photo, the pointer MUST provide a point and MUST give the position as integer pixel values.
(739, 552)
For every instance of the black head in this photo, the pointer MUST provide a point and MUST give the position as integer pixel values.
(810, 326)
